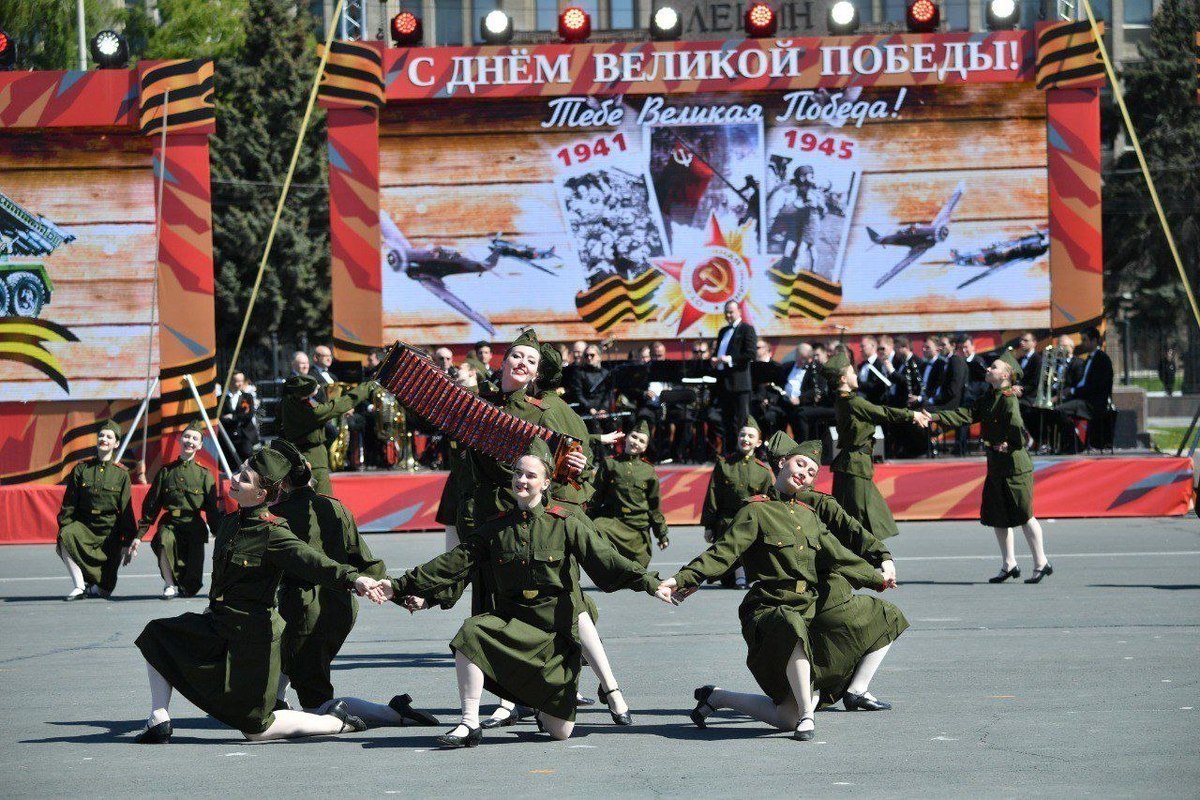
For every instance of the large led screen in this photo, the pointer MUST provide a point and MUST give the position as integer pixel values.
(870, 210)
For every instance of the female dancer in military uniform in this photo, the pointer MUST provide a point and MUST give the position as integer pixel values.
(851, 633)
(527, 648)
(787, 552)
(96, 522)
(302, 419)
(1008, 488)
(226, 660)
(318, 619)
(853, 473)
(179, 493)
(734, 480)
(626, 508)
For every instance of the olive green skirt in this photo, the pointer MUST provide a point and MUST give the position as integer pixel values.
(231, 676)
(97, 553)
(1007, 502)
(317, 622)
(523, 663)
(183, 543)
(841, 636)
(628, 541)
(861, 499)
(772, 630)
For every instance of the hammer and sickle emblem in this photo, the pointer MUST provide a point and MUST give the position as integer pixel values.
(682, 156)
(714, 280)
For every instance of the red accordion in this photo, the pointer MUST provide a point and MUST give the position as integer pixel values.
(420, 386)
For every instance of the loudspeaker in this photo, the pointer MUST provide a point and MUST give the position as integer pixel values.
(1125, 430)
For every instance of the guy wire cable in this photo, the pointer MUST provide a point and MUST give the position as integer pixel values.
(158, 206)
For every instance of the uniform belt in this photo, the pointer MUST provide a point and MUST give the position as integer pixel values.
(799, 587)
(182, 513)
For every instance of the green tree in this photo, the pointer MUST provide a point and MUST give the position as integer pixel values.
(260, 100)
(47, 31)
(1160, 91)
(198, 28)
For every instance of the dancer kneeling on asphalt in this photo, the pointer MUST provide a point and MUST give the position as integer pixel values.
(787, 553)
(226, 660)
(526, 648)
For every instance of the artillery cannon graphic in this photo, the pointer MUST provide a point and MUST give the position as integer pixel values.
(25, 286)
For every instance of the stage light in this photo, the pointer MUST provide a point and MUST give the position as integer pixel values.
(843, 18)
(496, 27)
(109, 50)
(923, 16)
(665, 25)
(760, 21)
(1003, 15)
(574, 25)
(8, 52)
(407, 30)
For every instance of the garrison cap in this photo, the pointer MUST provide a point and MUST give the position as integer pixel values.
(195, 425)
(751, 422)
(642, 426)
(271, 465)
(541, 451)
(1014, 365)
(527, 338)
(299, 471)
(109, 425)
(550, 367)
(833, 368)
(300, 385)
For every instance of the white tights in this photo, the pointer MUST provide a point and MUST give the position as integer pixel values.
(73, 569)
(160, 697)
(866, 670)
(786, 716)
(1033, 537)
(294, 724)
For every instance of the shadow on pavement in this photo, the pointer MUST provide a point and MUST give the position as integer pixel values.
(1164, 586)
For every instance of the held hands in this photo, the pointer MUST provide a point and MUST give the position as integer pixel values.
(129, 553)
(922, 419)
(709, 536)
(888, 568)
(664, 543)
(414, 603)
(378, 592)
(666, 592)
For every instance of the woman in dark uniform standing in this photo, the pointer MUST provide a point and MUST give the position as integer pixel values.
(1008, 489)
(787, 553)
(226, 660)
(526, 649)
(627, 506)
(96, 522)
(853, 473)
(179, 493)
(734, 480)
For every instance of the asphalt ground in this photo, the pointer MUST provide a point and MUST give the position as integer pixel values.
(1084, 685)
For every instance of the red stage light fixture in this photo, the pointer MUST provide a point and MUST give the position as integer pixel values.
(407, 30)
(8, 51)
(574, 25)
(923, 16)
(760, 21)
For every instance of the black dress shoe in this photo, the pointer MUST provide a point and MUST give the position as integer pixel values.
(1005, 574)
(402, 705)
(492, 722)
(342, 712)
(619, 719)
(803, 736)
(860, 702)
(157, 734)
(699, 718)
(1038, 574)
(472, 739)
(580, 700)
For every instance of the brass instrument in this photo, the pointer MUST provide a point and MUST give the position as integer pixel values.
(389, 423)
(914, 376)
(1048, 378)
(339, 448)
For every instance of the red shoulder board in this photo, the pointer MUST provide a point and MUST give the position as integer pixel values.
(119, 465)
(648, 461)
(557, 511)
(758, 498)
(762, 463)
(536, 402)
(1008, 393)
(498, 515)
(267, 516)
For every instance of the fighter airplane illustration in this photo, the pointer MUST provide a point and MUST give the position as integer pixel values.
(918, 238)
(430, 266)
(997, 256)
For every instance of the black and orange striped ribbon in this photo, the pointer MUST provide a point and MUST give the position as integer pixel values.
(614, 299)
(190, 102)
(353, 76)
(805, 294)
(1068, 56)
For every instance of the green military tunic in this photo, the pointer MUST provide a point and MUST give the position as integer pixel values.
(319, 618)
(734, 480)
(96, 520)
(226, 660)
(853, 472)
(626, 508)
(179, 492)
(1008, 488)
(302, 422)
(527, 644)
(847, 626)
(786, 552)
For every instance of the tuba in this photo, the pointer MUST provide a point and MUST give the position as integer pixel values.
(339, 448)
(1048, 377)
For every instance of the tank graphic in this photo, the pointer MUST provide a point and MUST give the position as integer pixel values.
(25, 286)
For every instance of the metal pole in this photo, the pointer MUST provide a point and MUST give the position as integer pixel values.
(81, 18)
(1125, 347)
(191, 384)
(136, 420)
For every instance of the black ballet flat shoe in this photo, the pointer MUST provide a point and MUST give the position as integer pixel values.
(618, 719)
(402, 705)
(860, 702)
(1005, 574)
(157, 734)
(803, 736)
(699, 718)
(580, 700)
(342, 712)
(492, 722)
(1038, 574)
(450, 741)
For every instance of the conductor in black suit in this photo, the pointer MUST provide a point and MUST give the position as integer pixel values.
(733, 352)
